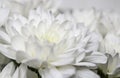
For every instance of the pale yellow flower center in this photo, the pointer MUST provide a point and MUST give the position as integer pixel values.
(51, 36)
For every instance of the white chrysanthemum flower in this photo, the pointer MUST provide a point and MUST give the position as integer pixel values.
(87, 61)
(10, 72)
(106, 23)
(111, 46)
(111, 43)
(89, 57)
(109, 22)
(112, 67)
(99, 21)
(110, 31)
(48, 43)
(84, 16)
(89, 18)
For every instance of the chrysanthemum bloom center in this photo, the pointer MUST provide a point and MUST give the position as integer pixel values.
(51, 36)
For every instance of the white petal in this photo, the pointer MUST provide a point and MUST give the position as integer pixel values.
(87, 64)
(34, 49)
(20, 56)
(8, 70)
(7, 52)
(86, 73)
(96, 57)
(25, 31)
(63, 61)
(15, 23)
(33, 62)
(86, 17)
(50, 73)
(4, 14)
(23, 71)
(113, 63)
(67, 71)
(16, 74)
(4, 37)
(20, 72)
(18, 43)
(80, 57)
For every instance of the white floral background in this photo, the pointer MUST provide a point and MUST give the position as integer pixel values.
(78, 39)
(98, 4)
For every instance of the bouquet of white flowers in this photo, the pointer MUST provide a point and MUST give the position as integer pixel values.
(37, 40)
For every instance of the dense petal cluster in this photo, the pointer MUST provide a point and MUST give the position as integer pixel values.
(49, 44)
(9, 71)
(107, 26)
(38, 41)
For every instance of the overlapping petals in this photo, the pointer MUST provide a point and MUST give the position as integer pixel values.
(9, 71)
(41, 42)
(49, 43)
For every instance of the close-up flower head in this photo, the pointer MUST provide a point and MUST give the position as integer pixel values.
(38, 39)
